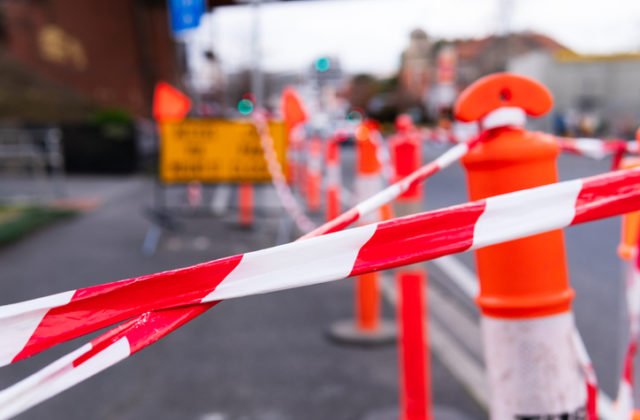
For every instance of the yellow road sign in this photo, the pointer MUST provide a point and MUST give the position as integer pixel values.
(209, 150)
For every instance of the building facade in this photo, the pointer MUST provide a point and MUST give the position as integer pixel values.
(112, 52)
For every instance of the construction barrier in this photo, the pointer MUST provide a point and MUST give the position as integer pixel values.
(596, 148)
(30, 327)
(198, 152)
(390, 193)
(157, 304)
(439, 135)
(593, 148)
(152, 325)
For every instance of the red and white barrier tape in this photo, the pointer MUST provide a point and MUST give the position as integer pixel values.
(32, 326)
(439, 135)
(35, 325)
(382, 153)
(183, 314)
(278, 179)
(624, 400)
(94, 357)
(589, 373)
(395, 190)
(596, 148)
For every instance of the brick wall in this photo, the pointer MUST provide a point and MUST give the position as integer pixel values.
(111, 51)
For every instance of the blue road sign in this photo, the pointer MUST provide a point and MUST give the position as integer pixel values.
(185, 14)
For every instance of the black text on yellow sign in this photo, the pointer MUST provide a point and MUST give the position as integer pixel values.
(209, 150)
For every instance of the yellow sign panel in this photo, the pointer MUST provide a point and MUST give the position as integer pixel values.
(210, 150)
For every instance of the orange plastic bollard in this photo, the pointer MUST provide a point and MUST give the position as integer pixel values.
(630, 221)
(368, 328)
(413, 342)
(368, 182)
(525, 297)
(332, 158)
(415, 366)
(295, 115)
(367, 302)
(369, 178)
(245, 207)
(314, 174)
(405, 156)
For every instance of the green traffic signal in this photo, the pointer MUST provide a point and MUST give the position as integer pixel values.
(245, 106)
(323, 64)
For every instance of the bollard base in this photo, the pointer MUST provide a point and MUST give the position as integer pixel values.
(439, 412)
(345, 332)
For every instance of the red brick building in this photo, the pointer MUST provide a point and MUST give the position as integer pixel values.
(112, 52)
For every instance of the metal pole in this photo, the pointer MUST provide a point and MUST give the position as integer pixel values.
(257, 79)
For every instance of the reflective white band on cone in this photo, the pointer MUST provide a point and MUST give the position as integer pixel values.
(533, 369)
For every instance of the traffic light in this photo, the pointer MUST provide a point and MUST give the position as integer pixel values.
(245, 106)
(323, 64)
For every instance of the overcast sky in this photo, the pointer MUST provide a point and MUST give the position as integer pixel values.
(369, 35)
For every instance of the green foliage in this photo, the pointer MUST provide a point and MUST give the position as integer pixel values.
(112, 116)
(18, 221)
